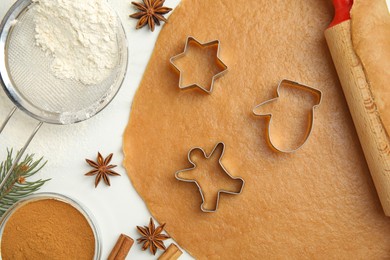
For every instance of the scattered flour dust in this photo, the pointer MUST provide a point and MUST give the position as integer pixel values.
(81, 37)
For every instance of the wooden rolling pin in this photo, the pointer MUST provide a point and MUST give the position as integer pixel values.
(372, 134)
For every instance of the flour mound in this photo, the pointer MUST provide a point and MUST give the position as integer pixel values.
(80, 36)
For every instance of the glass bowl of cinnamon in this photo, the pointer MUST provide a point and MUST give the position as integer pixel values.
(49, 226)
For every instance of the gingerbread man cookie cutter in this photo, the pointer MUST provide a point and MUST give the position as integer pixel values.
(191, 39)
(293, 84)
(222, 167)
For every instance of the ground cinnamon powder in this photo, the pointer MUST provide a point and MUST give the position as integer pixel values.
(47, 229)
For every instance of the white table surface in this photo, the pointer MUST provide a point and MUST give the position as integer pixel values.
(117, 209)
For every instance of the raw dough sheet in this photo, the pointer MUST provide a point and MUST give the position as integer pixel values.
(316, 203)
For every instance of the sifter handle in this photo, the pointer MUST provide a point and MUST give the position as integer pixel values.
(21, 152)
(11, 113)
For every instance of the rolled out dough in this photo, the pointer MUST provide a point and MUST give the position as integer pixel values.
(316, 203)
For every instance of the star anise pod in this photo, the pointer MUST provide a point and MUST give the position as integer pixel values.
(150, 12)
(102, 169)
(152, 237)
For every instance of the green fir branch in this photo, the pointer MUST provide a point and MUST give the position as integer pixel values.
(17, 186)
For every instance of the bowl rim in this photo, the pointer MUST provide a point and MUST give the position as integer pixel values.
(53, 116)
(59, 197)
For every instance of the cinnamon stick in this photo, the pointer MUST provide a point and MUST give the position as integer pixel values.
(172, 253)
(121, 248)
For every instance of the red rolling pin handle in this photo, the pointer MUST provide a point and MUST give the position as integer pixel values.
(341, 9)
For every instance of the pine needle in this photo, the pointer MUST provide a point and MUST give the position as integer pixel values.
(17, 186)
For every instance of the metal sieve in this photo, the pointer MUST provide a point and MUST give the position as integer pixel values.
(27, 79)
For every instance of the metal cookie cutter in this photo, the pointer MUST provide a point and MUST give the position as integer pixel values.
(203, 45)
(293, 84)
(222, 167)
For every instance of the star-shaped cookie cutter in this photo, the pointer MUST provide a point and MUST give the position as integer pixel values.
(203, 45)
(286, 82)
(223, 168)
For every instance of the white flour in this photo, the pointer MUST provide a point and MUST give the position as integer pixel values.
(81, 37)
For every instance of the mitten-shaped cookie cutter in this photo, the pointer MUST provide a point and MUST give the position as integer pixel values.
(190, 40)
(292, 84)
(222, 167)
